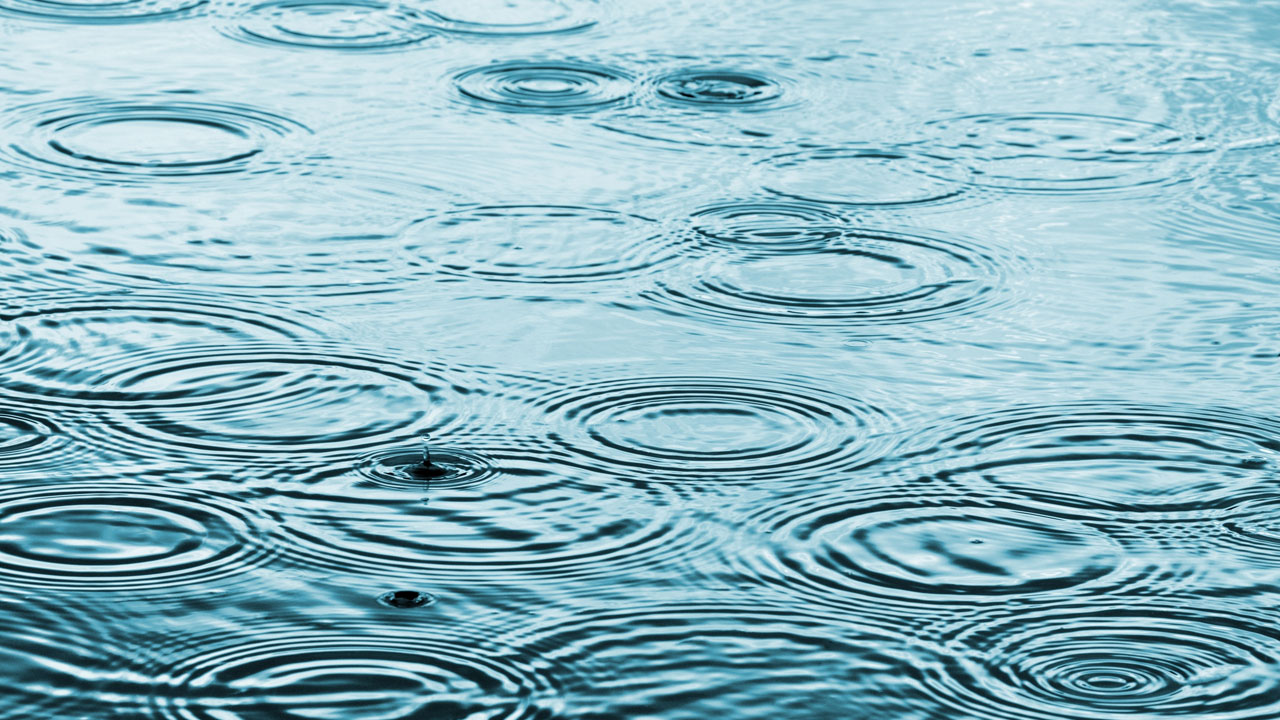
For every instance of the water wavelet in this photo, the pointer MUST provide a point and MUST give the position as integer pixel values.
(691, 661)
(353, 25)
(1066, 152)
(510, 17)
(145, 140)
(63, 347)
(718, 430)
(140, 540)
(56, 652)
(863, 177)
(768, 226)
(859, 278)
(540, 244)
(544, 86)
(449, 468)
(926, 552)
(713, 88)
(349, 669)
(31, 440)
(1218, 337)
(1109, 658)
(311, 400)
(1107, 459)
(534, 528)
(101, 11)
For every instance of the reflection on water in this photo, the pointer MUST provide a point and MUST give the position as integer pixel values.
(509, 359)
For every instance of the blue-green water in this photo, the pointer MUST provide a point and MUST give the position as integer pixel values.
(807, 360)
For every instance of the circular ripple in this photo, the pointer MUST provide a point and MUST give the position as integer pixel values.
(144, 140)
(719, 430)
(351, 670)
(926, 551)
(118, 538)
(366, 25)
(1109, 660)
(29, 440)
(690, 662)
(545, 86)
(1064, 152)
(510, 17)
(259, 398)
(866, 277)
(451, 468)
(863, 177)
(63, 349)
(104, 11)
(764, 226)
(1115, 457)
(536, 528)
(538, 244)
(718, 89)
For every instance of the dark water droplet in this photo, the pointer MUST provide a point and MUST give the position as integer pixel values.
(406, 599)
(531, 86)
(450, 468)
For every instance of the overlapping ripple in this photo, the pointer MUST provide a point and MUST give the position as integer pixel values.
(1066, 152)
(864, 177)
(816, 275)
(357, 25)
(538, 244)
(514, 530)
(65, 348)
(140, 540)
(768, 226)
(32, 439)
(147, 139)
(925, 551)
(101, 11)
(1108, 659)
(690, 661)
(350, 669)
(256, 399)
(511, 17)
(719, 430)
(544, 86)
(1094, 459)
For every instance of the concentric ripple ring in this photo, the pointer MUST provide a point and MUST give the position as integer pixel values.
(140, 540)
(144, 140)
(101, 12)
(713, 429)
(358, 25)
(866, 177)
(510, 17)
(1108, 459)
(550, 87)
(352, 670)
(1107, 659)
(718, 89)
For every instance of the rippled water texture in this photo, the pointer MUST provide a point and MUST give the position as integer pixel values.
(605, 360)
